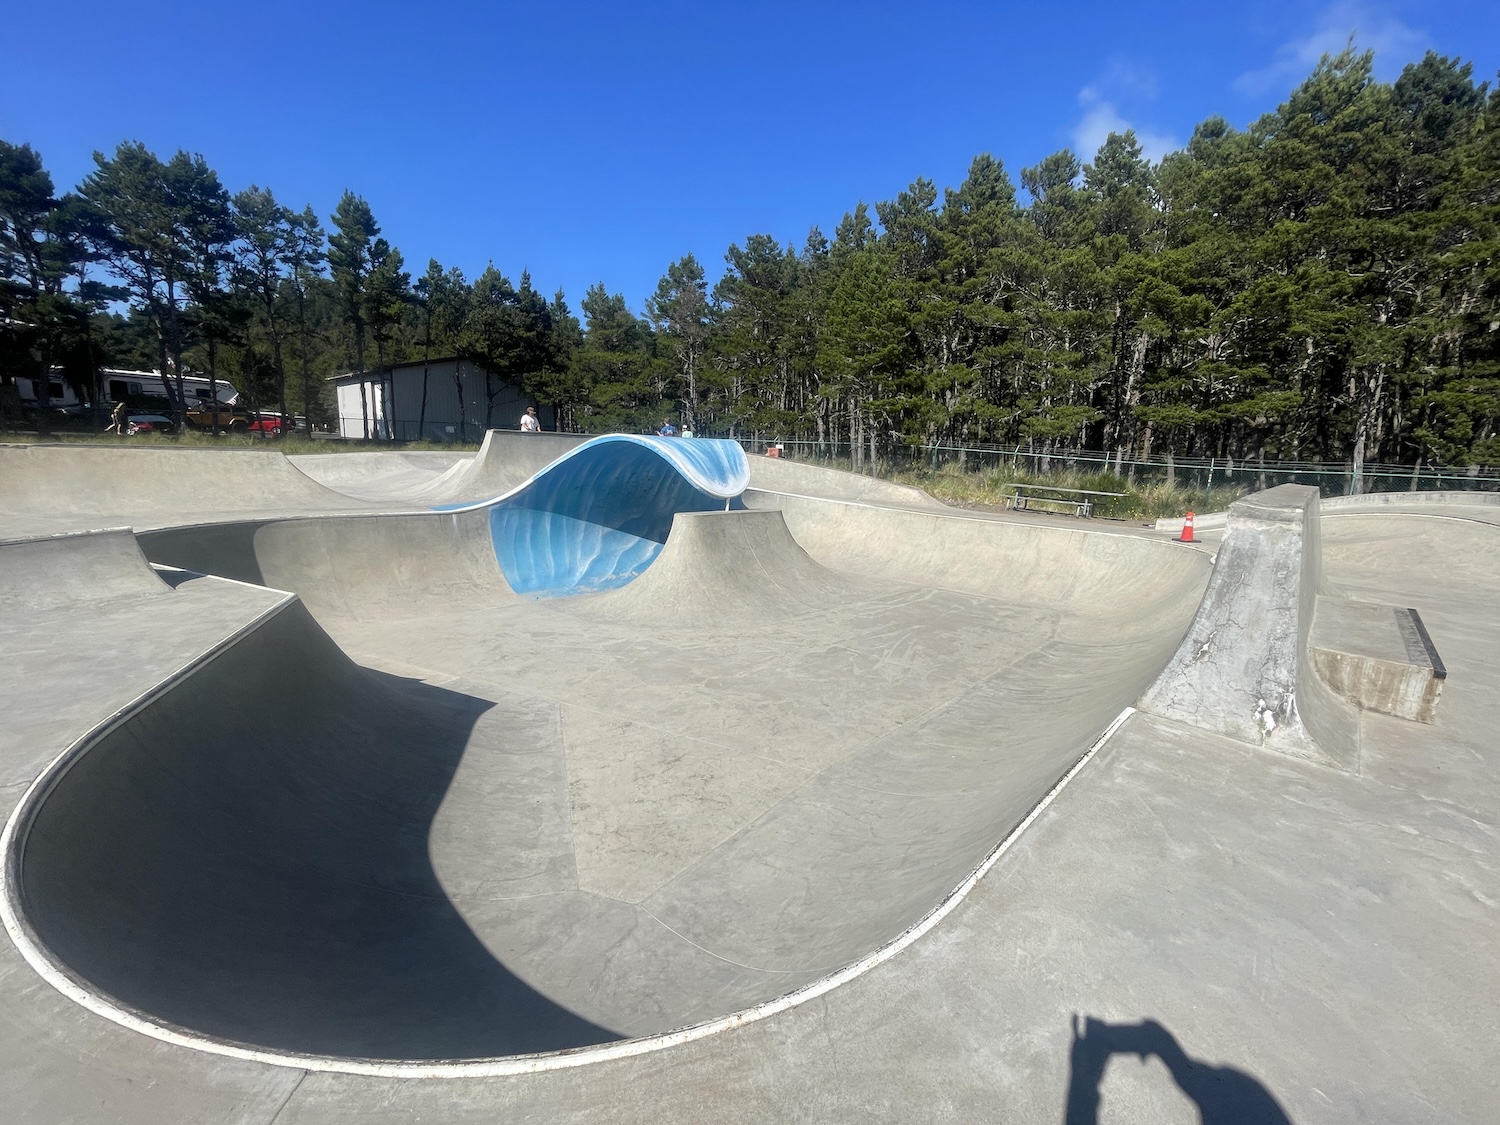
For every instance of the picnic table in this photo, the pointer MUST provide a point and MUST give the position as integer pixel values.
(1024, 497)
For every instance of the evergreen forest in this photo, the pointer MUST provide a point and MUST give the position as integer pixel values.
(1321, 285)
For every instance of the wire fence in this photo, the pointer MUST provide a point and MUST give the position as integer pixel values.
(1331, 478)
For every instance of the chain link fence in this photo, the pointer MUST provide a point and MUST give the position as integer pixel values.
(1331, 478)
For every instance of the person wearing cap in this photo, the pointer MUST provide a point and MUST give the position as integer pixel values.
(529, 422)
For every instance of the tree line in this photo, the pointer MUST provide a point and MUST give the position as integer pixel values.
(1324, 284)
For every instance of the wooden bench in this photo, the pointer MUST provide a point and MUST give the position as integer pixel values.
(1080, 501)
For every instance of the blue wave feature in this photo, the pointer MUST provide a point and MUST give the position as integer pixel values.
(598, 516)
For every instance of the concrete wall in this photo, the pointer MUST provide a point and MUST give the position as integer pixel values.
(1244, 668)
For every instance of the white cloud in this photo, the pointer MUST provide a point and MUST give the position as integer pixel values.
(1121, 79)
(1101, 117)
(1393, 42)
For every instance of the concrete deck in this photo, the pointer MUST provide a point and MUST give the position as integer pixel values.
(516, 826)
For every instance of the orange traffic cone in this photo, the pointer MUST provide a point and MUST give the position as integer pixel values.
(1187, 530)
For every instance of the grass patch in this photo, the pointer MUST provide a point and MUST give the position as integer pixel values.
(1143, 500)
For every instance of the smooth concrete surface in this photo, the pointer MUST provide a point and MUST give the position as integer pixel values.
(506, 459)
(379, 476)
(1407, 503)
(47, 489)
(1307, 938)
(778, 474)
(739, 775)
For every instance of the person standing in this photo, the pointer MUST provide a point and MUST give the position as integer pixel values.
(529, 422)
(667, 429)
(117, 420)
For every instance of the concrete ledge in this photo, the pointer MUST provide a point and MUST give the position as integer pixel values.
(1385, 499)
(1378, 657)
(1211, 521)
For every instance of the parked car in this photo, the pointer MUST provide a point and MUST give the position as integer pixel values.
(271, 425)
(148, 424)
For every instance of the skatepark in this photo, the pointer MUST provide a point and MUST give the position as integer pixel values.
(626, 779)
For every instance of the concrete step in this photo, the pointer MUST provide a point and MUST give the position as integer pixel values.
(1379, 657)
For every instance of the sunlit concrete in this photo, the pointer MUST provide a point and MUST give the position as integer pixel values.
(784, 745)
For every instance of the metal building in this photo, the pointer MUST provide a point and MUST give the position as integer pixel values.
(447, 399)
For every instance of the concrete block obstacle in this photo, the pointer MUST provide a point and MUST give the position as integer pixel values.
(1243, 669)
(1378, 657)
(1275, 658)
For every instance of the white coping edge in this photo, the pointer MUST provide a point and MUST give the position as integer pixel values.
(40, 959)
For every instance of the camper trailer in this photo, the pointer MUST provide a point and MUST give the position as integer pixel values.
(59, 393)
(141, 389)
(137, 386)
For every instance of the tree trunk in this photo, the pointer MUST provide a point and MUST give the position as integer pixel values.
(280, 380)
(306, 374)
(359, 353)
(44, 391)
(174, 339)
(855, 449)
(1357, 461)
(213, 380)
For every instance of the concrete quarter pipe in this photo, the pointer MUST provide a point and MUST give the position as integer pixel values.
(512, 825)
(311, 816)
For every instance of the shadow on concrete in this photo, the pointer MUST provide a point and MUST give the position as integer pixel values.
(247, 857)
(1223, 1095)
(226, 550)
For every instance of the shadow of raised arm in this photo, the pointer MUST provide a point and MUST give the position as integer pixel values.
(1223, 1094)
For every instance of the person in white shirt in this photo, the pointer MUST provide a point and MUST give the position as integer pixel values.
(529, 422)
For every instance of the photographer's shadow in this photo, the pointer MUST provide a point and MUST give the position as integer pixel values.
(1223, 1095)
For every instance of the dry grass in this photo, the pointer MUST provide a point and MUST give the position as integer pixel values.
(1143, 500)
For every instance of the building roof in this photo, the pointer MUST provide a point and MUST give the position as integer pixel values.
(391, 368)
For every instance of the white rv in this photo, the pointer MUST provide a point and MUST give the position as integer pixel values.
(59, 394)
(133, 387)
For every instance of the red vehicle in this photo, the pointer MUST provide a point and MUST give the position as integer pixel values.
(148, 424)
(271, 425)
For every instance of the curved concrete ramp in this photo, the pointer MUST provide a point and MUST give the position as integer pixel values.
(147, 487)
(1130, 584)
(775, 474)
(549, 823)
(255, 863)
(76, 569)
(363, 568)
(506, 460)
(379, 477)
(738, 566)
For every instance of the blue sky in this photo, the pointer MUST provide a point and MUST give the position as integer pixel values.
(599, 142)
